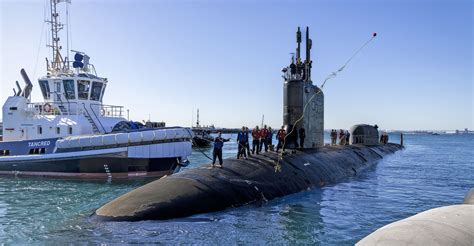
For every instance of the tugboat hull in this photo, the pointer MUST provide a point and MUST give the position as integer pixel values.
(150, 153)
(90, 165)
(94, 168)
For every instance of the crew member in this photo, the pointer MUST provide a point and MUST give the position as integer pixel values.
(263, 138)
(281, 138)
(218, 144)
(256, 140)
(241, 144)
(347, 137)
(302, 135)
(342, 138)
(333, 136)
(247, 143)
(270, 138)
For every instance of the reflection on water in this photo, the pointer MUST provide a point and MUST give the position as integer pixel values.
(432, 171)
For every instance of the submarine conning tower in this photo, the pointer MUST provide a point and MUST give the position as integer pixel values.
(300, 92)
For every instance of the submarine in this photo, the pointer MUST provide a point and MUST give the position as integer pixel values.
(261, 177)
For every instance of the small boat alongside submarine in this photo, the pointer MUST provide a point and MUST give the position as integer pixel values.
(202, 135)
(265, 176)
(72, 134)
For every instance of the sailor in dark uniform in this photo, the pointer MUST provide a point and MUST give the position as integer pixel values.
(218, 144)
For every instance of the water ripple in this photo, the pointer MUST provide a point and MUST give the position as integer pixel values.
(432, 171)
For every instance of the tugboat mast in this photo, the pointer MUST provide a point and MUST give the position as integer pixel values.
(57, 62)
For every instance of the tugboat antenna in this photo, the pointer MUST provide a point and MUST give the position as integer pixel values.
(57, 63)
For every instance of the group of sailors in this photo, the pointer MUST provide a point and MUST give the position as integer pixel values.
(343, 137)
(261, 139)
(384, 138)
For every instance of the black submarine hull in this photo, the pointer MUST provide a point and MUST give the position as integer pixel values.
(241, 182)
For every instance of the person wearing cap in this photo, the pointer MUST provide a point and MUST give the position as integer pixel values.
(241, 141)
(269, 137)
(217, 152)
(256, 140)
(302, 135)
(263, 138)
(281, 138)
(247, 143)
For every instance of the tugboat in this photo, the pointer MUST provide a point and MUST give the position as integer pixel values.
(72, 134)
(202, 135)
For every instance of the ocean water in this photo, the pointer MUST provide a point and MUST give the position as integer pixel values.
(432, 171)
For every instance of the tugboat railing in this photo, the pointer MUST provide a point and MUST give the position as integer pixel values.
(93, 111)
(52, 108)
(72, 108)
(110, 110)
(90, 68)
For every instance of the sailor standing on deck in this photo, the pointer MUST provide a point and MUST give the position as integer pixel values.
(281, 138)
(241, 141)
(302, 135)
(342, 137)
(256, 140)
(247, 143)
(263, 138)
(347, 135)
(218, 144)
(270, 137)
(333, 137)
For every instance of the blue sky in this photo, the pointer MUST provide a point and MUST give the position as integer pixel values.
(165, 59)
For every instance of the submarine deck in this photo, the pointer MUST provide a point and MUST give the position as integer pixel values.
(242, 181)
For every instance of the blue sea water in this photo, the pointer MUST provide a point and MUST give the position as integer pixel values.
(432, 171)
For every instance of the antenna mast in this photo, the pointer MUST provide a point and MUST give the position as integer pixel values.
(197, 122)
(57, 63)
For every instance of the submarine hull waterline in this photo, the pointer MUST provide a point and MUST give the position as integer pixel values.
(241, 182)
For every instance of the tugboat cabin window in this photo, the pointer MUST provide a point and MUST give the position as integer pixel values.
(44, 88)
(103, 91)
(58, 90)
(83, 89)
(70, 130)
(69, 91)
(40, 130)
(58, 130)
(96, 91)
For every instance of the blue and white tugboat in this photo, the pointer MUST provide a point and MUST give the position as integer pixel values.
(72, 134)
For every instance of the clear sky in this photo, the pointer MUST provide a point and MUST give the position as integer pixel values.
(165, 59)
